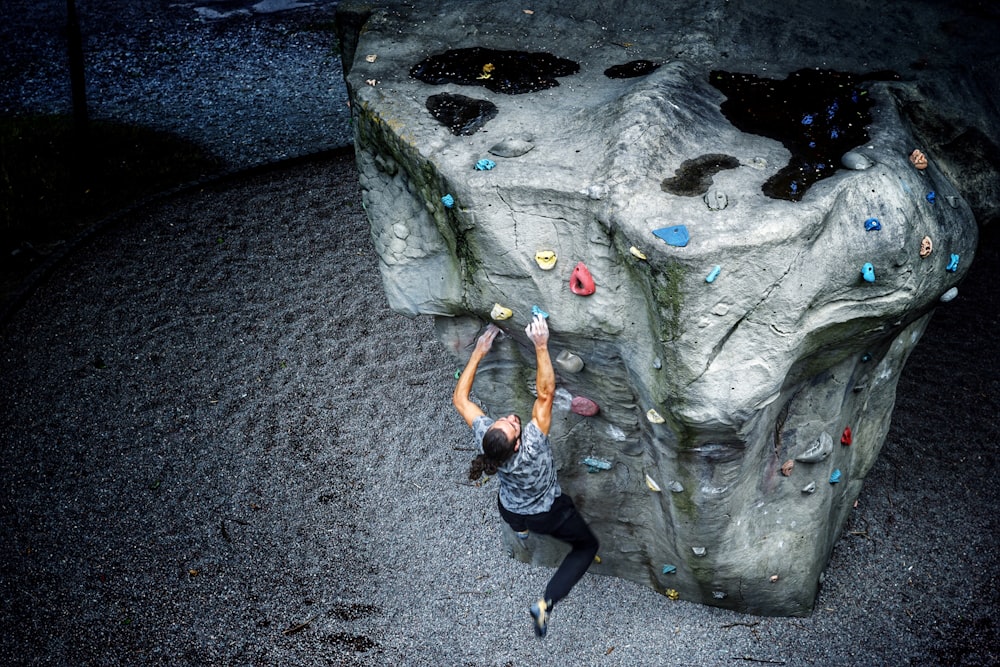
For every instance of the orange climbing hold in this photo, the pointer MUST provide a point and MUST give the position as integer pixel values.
(581, 282)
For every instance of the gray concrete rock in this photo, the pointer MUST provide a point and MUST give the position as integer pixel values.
(726, 369)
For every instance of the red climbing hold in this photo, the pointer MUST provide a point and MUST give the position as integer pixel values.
(581, 282)
(582, 405)
(846, 439)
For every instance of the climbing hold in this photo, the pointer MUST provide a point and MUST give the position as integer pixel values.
(371, 57)
(952, 201)
(372, 82)
(872, 225)
(485, 165)
(855, 160)
(676, 487)
(535, 311)
(448, 201)
(835, 476)
(716, 200)
(926, 247)
(918, 160)
(596, 465)
(846, 438)
(580, 281)
(807, 119)
(949, 295)
(809, 488)
(953, 264)
(582, 405)
(699, 551)
(774, 578)
(672, 594)
(638, 254)
(654, 417)
(546, 259)
(669, 569)
(501, 313)
(487, 71)
(569, 362)
(597, 559)
(651, 483)
(820, 449)
(676, 236)
(512, 147)
(865, 358)
(657, 364)
(458, 373)
(931, 197)
(719, 595)
(713, 274)
(868, 272)
(786, 467)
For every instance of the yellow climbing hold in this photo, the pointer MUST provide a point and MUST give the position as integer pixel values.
(546, 259)
(597, 559)
(501, 313)
(651, 483)
(638, 254)
(487, 71)
(672, 594)
(654, 417)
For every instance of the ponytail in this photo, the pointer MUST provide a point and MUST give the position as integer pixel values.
(482, 465)
(496, 449)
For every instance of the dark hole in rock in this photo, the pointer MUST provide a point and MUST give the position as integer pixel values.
(463, 115)
(818, 115)
(510, 72)
(631, 69)
(694, 176)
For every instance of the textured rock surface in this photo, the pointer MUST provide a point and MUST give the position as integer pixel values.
(767, 363)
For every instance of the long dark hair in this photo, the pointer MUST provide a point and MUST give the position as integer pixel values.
(496, 449)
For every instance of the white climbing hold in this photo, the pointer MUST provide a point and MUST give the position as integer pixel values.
(949, 295)
(638, 254)
(651, 483)
(676, 486)
(809, 488)
(857, 161)
(820, 449)
(699, 551)
(654, 417)
(569, 362)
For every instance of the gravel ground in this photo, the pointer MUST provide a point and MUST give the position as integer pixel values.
(219, 447)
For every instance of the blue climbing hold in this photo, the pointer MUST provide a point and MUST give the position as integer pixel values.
(807, 119)
(596, 465)
(835, 477)
(669, 569)
(795, 186)
(448, 201)
(953, 264)
(675, 236)
(931, 197)
(868, 272)
(485, 165)
(872, 225)
(710, 278)
(535, 310)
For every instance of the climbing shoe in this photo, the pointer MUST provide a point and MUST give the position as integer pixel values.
(540, 614)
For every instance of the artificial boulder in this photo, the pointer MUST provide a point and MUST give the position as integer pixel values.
(725, 366)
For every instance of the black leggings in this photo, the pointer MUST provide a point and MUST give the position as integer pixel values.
(564, 523)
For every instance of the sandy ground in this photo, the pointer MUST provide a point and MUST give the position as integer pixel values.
(220, 448)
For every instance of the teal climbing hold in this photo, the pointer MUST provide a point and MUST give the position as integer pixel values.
(868, 272)
(669, 569)
(535, 310)
(485, 165)
(675, 236)
(866, 357)
(710, 278)
(596, 465)
(953, 264)
(835, 477)
(448, 201)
